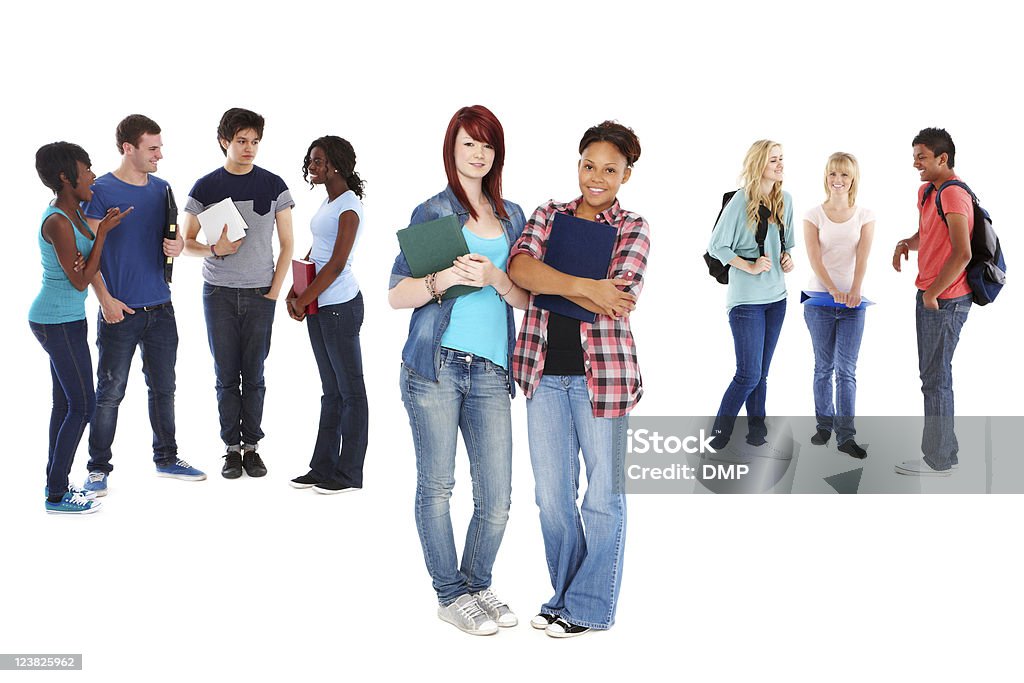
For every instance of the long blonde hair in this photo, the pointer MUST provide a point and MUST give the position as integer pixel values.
(753, 171)
(844, 163)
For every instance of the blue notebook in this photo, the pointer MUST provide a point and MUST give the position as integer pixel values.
(581, 248)
(825, 299)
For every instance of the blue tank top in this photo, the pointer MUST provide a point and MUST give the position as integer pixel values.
(58, 300)
(478, 324)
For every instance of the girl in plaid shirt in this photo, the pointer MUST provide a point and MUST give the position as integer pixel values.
(581, 380)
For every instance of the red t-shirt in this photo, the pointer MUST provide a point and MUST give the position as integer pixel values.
(935, 245)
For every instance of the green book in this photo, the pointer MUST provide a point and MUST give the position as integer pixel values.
(432, 247)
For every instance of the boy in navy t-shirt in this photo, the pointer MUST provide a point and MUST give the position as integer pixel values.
(135, 302)
(242, 283)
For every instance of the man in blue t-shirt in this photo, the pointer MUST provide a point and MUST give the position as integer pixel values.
(242, 282)
(135, 302)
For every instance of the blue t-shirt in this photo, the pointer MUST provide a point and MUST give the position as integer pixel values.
(258, 195)
(478, 319)
(133, 256)
(324, 227)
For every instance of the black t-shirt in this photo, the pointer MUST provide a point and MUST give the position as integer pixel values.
(565, 353)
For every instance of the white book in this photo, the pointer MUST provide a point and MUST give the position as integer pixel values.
(214, 218)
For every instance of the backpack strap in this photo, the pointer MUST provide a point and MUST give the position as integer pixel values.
(938, 195)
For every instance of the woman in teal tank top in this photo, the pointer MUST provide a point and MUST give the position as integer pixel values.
(57, 316)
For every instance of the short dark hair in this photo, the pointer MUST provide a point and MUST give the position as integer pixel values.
(235, 120)
(619, 135)
(60, 157)
(938, 141)
(132, 128)
(342, 156)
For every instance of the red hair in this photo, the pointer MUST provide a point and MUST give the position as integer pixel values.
(482, 125)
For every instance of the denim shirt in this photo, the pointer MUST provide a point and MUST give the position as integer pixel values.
(422, 352)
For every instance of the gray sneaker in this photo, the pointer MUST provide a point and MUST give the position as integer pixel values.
(497, 610)
(466, 615)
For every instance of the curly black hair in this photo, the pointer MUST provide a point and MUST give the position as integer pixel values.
(619, 135)
(341, 155)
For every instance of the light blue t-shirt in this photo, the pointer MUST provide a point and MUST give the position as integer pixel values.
(324, 226)
(478, 320)
(58, 301)
(732, 238)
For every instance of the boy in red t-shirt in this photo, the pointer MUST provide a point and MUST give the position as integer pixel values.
(943, 298)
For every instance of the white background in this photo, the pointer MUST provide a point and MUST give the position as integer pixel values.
(252, 579)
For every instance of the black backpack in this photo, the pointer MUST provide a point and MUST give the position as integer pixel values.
(986, 271)
(719, 270)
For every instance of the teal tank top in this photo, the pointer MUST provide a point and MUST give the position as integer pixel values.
(58, 301)
(478, 323)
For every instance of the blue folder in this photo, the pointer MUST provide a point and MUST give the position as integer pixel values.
(581, 248)
(825, 299)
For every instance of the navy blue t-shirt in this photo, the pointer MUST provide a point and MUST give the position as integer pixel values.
(133, 256)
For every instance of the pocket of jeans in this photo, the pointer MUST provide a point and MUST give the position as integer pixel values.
(39, 331)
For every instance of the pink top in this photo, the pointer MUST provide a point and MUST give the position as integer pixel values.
(935, 246)
(838, 245)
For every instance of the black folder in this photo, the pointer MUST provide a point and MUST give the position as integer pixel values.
(581, 248)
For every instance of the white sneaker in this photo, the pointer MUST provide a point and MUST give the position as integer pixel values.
(497, 610)
(466, 615)
(919, 468)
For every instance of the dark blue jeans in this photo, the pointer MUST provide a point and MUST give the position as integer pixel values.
(74, 399)
(344, 416)
(836, 334)
(755, 331)
(156, 334)
(938, 333)
(238, 326)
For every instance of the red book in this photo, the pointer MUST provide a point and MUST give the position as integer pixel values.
(303, 273)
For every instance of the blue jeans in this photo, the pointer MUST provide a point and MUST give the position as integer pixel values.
(156, 333)
(74, 399)
(344, 417)
(755, 331)
(836, 334)
(238, 326)
(584, 553)
(937, 335)
(470, 395)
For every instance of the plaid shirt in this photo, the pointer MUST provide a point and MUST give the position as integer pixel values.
(609, 355)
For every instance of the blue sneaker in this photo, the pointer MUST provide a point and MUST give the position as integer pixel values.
(73, 489)
(180, 469)
(96, 484)
(73, 504)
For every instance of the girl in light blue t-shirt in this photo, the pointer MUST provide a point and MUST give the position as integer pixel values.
(337, 462)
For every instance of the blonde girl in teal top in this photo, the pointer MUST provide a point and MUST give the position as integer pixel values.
(756, 300)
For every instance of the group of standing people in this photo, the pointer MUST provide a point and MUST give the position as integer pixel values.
(754, 236)
(463, 358)
(128, 271)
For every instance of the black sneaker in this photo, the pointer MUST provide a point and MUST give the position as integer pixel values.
(331, 487)
(304, 481)
(253, 464)
(543, 620)
(851, 447)
(232, 465)
(560, 628)
(821, 437)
